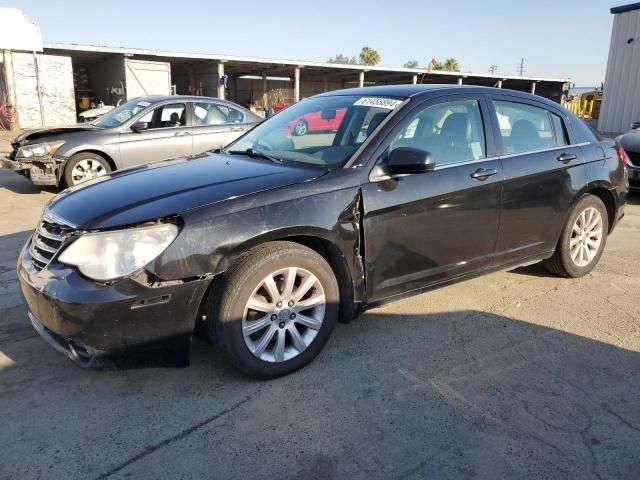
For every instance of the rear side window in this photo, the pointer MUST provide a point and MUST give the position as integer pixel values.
(560, 130)
(451, 131)
(525, 128)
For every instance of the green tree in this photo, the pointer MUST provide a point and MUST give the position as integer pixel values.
(368, 56)
(449, 65)
(343, 59)
(411, 64)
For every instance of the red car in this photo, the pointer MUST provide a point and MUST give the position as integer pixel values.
(319, 121)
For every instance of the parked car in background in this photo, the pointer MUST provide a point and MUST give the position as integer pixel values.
(630, 142)
(315, 122)
(271, 241)
(142, 130)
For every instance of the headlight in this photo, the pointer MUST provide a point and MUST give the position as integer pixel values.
(39, 149)
(110, 255)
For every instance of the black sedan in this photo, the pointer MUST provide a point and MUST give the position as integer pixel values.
(630, 141)
(273, 240)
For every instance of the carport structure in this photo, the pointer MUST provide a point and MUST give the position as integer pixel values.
(113, 73)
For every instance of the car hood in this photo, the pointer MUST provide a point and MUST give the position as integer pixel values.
(171, 187)
(28, 136)
(630, 141)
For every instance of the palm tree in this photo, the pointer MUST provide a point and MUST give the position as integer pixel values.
(368, 56)
(449, 65)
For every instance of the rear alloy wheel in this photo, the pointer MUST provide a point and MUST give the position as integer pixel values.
(83, 167)
(582, 241)
(275, 309)
(301, 128)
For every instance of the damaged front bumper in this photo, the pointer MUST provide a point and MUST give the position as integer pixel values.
(94, 323)
(43, 171)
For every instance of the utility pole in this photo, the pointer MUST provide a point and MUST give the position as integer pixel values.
(493, 69)
(521, 68)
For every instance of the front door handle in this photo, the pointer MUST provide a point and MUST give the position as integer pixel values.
(181, 134)
(483, 173)
(237, 129)
(566, 157)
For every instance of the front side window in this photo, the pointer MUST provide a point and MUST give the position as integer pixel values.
(323, 131)
(170, 116)
(451, 131)
(207, 113)
(525, 128)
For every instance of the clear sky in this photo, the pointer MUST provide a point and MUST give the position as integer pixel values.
(561, 39)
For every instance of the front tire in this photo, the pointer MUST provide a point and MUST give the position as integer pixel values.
(582, 240)
(85, 166)
(274, 309)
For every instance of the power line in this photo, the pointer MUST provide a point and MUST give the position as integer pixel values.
(493, 69)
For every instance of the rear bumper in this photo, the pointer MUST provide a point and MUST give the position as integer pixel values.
(42, 171)
(85, 320)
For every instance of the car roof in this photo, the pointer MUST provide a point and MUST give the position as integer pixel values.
(411, 90)
(162, 98)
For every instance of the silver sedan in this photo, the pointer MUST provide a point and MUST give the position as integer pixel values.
(143, 130)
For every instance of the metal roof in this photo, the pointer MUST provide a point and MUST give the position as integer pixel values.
(286, 62)
(625, 8)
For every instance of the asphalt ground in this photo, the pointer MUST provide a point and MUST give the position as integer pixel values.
(518, 374)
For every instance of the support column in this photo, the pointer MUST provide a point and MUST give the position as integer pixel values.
(533, 87)
(460, 81)
(296, 85)
(10, 83)
(414, 79)
(264, 90)
(361, 79)
(220, 75)
(499, 84)
(325, 84)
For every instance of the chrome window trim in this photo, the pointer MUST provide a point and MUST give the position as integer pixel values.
(551, 149)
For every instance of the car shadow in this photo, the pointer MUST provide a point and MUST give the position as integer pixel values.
(19, 184)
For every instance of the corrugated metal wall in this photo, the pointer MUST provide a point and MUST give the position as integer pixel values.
(621, 98)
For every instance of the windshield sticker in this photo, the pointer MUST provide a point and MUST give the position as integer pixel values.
(388, 103)
(144, 104)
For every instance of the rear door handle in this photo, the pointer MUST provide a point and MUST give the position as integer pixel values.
(181, 134)
(237, 129)
(566, 157)
(483, 173)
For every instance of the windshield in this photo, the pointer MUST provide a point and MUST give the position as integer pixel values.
(323, 131)
(121, 114)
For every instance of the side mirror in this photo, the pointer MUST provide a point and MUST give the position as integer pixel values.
(409, 160)
(328, 114)
(635, 125)
(139, 127)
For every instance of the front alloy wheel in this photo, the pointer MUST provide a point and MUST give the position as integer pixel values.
(274, 309)
(283, 314)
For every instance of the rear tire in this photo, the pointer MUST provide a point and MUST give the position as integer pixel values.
(582, 240)
(85, 166)
(274, 309)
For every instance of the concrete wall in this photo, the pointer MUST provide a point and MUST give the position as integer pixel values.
(56, 106)
(621, 97)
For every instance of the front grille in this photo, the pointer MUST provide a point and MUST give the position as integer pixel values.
(46, 241)
(635, 158)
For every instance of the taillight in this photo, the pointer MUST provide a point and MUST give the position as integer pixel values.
(622, 156)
